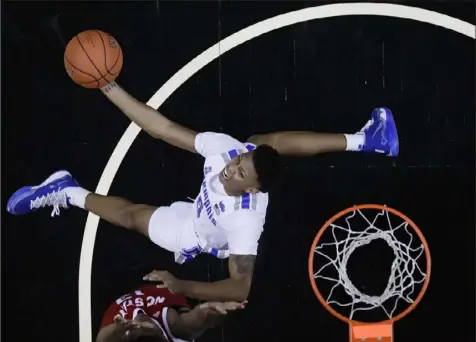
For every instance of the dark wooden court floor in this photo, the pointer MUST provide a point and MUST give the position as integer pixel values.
(323, 75)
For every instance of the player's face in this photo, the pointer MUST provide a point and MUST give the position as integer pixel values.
(239, 175)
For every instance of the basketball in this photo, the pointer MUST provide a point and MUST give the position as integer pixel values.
(93, 59)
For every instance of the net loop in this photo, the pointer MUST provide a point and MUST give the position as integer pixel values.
(405, 270)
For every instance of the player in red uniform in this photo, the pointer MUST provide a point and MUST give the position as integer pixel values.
(153, 311)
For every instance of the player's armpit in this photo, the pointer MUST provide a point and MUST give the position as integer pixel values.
(150, 120)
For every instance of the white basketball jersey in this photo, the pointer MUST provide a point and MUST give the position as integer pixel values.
(225, 224)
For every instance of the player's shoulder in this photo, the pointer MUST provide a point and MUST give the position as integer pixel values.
(249, 209)
(244, 222)
(220, 143)
(246, 203)
(217, 139)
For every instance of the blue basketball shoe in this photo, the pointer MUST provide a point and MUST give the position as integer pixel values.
(381, 135)
(49, 193)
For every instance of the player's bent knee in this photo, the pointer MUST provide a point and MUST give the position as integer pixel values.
(137, 216)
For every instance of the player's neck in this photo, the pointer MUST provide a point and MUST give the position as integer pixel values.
(231, 192)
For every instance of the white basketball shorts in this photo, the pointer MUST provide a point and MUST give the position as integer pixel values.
(172, 227)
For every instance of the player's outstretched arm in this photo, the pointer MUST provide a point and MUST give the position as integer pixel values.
(194, 323)
(150, 120)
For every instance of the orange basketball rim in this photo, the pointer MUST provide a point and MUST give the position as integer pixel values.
(363, 331)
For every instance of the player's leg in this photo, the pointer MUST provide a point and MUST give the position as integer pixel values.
(119, 211)
(379, 135)
(60, 191)
(168, 227)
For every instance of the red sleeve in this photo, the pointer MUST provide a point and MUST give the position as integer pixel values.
(108, 317)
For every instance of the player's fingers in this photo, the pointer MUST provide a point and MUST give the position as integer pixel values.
(243, 304)
(118, 319)
(126, 324)
(204, 306)
(151, 273)
(145, 325)
(132, 324)
(232, 305)
(155, 275)
(221, 310)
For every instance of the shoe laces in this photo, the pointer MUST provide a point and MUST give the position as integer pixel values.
(367, 125)
(57, 199)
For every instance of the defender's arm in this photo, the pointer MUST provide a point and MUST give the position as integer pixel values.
(194, 323)
(150, 120)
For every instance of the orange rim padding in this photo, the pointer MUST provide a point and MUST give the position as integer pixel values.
(357, 327)
(382, 332)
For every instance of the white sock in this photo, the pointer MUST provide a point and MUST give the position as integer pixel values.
(355, 142)
(77, 196)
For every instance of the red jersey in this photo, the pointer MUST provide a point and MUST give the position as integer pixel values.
(152, 300)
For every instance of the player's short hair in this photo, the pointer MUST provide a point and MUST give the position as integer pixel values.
(269, 167)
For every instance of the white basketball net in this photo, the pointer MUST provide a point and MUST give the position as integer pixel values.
(405, 271)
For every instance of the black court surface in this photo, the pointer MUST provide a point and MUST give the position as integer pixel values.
(322, 75)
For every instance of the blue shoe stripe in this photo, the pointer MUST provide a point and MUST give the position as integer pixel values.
(20, 202)
(392, 134)
(19, 196)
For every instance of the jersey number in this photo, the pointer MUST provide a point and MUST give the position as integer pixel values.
(199, 206)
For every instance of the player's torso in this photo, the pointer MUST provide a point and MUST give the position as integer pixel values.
(213, 206)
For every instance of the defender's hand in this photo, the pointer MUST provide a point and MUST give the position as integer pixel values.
(124, 324)
(124, 327)
(224, 307)
(146, 327)
(174, 285)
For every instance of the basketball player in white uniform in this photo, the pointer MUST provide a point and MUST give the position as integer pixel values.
(227, 217)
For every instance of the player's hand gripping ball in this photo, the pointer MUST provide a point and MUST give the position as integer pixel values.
(93, 59)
